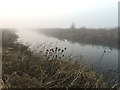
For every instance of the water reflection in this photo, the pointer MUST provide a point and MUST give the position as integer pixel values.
(90, 53)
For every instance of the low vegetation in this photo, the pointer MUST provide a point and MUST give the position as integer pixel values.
(104, 37)
(23, 68)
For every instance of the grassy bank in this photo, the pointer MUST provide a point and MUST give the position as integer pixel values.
(23, 68)
(104, 37)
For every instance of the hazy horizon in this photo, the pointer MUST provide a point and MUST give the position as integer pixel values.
(58, 13)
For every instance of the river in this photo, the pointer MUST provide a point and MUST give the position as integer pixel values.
(93, 54)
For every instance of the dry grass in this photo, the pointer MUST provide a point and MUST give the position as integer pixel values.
(23, 68)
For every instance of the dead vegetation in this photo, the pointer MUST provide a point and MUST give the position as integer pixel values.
(22, 68)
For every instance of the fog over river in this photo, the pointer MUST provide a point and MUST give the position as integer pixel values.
(87, 54)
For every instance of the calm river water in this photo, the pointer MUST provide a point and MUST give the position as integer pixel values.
(90, 53)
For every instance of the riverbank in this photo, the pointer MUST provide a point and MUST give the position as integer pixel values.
(104, 37)
(23, 68)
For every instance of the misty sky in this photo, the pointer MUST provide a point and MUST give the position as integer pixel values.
(58, 13)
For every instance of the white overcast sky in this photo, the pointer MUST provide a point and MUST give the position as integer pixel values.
(58, 13)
